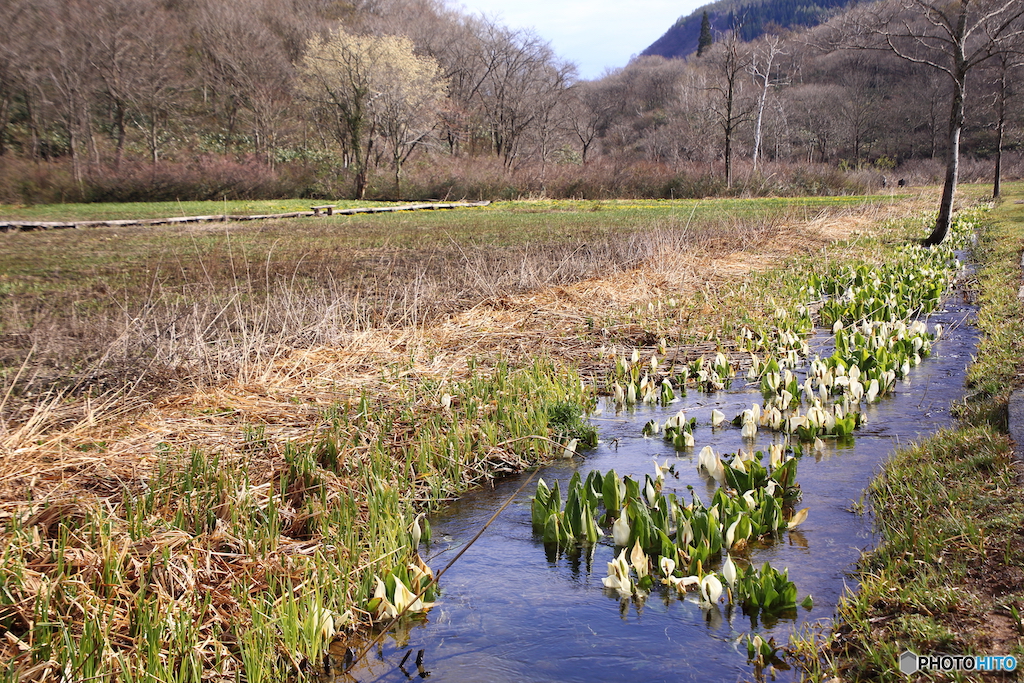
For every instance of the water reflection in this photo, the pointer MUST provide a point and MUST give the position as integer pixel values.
(512, 610)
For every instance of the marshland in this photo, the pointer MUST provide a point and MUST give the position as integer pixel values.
(223, 445)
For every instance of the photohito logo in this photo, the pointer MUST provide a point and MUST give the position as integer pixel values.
(911, 663)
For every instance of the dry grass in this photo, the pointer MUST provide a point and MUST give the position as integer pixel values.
(476, 305)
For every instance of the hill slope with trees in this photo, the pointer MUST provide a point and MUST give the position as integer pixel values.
(749, 18)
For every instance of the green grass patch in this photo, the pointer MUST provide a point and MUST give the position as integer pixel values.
(116, 211)
(999, 366)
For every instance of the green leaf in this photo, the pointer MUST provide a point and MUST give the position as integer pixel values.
(552, 529)
(610, 492)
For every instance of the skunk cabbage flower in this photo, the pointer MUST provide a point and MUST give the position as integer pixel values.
(324, 618)
(710, 589)
(618, 576)
(730, 534)
(722, 365)
(620, 530)
(717, 417)
(659, 471)
(384, 607)
(638, 558)
(684, 536)
(772, 418)
(416, 532)
(651, 494)
(807, 388)
(856, 390)
(729, 571)
(668, 565)
(712, 464)
(872, 391)
(406, 600)
(797, 519)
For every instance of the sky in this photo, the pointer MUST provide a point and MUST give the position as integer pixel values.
(595, 34)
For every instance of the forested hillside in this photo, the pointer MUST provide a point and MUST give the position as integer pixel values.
(198, 99)
(749, 18)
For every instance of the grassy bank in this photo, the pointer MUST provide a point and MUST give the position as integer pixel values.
(948, 575)
(203, 565)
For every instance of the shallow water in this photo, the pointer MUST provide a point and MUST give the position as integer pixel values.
(510, 612)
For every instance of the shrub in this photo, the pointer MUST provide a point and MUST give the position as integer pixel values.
(202, 178)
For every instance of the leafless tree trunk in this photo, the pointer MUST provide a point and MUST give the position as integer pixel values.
(1005, 91)
(729, 60)
(761, 68)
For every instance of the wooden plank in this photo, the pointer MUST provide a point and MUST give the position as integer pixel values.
(8, 226)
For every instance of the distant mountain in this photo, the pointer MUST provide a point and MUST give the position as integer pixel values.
(751, 18)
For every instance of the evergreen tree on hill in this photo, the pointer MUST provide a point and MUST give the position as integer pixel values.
(705, 40)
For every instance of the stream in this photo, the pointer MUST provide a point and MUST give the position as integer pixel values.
(510, 611)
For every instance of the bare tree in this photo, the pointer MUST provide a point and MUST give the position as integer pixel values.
(1006, 90)
(699, 120)
(524, 82)
(728, 60)
(954, 37)
(69, 71)
(590, 114)
(761, 64)
(13, 57)
(814, 112)
(136, 57)
(244, 69)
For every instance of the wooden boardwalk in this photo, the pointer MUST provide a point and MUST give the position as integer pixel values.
(9, 226)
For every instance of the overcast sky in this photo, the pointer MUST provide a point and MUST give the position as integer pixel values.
(595, 34)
